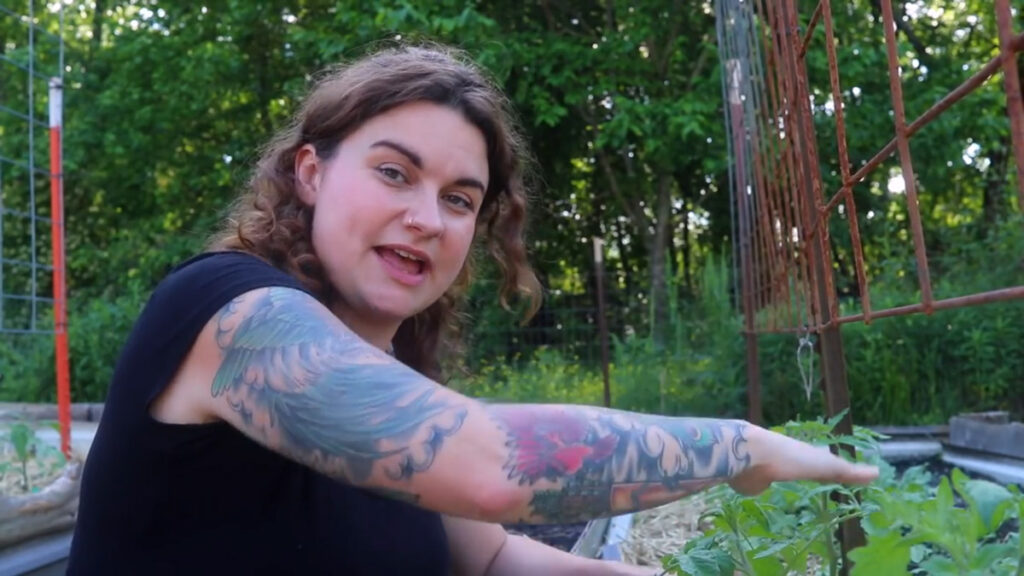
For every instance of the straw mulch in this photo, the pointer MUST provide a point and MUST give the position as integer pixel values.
(664, 530)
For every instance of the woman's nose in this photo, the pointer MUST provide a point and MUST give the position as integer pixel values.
(424, 216)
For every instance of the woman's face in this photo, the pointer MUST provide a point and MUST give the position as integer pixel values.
(395, 212)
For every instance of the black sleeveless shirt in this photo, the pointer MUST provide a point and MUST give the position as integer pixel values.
(203, 499)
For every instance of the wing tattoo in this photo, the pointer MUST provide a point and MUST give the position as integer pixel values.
(325, 394)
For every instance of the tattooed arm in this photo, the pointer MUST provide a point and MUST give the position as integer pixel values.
(290, 375)
(582, 462)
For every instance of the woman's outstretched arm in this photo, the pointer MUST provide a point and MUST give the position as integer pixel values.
(283, 370)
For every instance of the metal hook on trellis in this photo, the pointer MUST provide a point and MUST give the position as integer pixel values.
(806, 347)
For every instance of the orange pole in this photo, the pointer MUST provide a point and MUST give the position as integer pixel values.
(60, 321)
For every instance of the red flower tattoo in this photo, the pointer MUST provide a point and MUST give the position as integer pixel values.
(551, 443)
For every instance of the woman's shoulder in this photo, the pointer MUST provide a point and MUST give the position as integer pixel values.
(180, 307)
(193, 291)
(208, 273)
(215, 261)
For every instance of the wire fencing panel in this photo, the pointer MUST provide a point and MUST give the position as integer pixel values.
(30, 56)
(785, 211)
(566, 324)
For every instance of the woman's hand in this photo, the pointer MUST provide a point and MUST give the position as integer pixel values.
(779, 458)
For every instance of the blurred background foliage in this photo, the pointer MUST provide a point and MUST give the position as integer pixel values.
(167, 104)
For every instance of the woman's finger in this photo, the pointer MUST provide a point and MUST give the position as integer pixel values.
(858, 474)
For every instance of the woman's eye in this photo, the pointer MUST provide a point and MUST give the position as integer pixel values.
(391, 173)
(460, 201)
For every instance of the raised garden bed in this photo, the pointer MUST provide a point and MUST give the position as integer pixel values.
(38, 493)
(944, 509)
(643, 538)
(38, 486)
(988, 432)
(21, 411)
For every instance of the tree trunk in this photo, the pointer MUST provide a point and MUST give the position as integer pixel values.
(686, 191)
(658, 246)
(846, 270)
(687, 248)
(96, 42)
(994, 191)
(626, 264)
(50, 510)
(3, 44)
(671, 249)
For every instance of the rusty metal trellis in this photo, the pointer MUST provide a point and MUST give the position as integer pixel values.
(781, 211)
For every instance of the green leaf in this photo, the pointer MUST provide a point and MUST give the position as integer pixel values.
(937, 565)
(877, 523)
(991, 554)
(919, 552)
(821, 489)
(886, 554)
(989, 500)
(768, 566)
(704, 562)
(21, 439)
(944, 495)
(834, 421)
(773, 549)
(1020, 537)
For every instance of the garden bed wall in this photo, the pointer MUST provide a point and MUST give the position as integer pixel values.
(990, 432)
(19, 411)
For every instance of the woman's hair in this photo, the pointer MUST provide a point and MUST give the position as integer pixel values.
(270, 221)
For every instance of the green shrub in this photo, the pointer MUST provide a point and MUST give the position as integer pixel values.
(911, 370)
(915, 369)
(27, 368)
(547, 376)
(692, 372)
(97, 330)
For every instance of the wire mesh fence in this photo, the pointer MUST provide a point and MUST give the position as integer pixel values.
(31, 57)
(567, 323)
(32, 272)
(786, 215)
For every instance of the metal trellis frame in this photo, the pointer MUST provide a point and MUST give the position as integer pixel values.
(781, 207)
(31, 56)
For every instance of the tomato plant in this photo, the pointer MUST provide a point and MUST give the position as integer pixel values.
(914, 525)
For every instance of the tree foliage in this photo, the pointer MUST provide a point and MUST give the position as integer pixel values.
(168, 103)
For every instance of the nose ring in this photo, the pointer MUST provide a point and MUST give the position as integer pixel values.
(410, 222)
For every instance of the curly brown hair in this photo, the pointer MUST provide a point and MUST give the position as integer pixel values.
(270, 221)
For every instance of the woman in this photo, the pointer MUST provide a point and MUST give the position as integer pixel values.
(276, 411)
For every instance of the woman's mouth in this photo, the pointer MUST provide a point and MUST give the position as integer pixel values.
(403, 265)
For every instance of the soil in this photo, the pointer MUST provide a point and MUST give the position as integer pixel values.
(561, 536)
(938, 468)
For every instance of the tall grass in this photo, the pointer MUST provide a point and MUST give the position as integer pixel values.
(907, 370)
(692, 372)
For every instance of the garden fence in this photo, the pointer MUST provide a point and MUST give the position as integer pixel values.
(32, 286)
